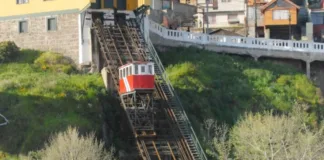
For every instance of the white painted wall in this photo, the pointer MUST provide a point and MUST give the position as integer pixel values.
(218, 20)
(85, 48)
(233, 5)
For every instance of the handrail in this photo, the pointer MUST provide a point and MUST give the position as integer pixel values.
(170, 87)
(236, 41)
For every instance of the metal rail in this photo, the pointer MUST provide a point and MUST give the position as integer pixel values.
(175, 104)
(111, 52)
(186, 143)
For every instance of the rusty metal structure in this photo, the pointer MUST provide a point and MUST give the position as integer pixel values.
(158, 121)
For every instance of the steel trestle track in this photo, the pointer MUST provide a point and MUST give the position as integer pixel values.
(158, 136)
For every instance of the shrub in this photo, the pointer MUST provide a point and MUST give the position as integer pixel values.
(55, 62)
(8, 51)
(264, 136)
(70, 145)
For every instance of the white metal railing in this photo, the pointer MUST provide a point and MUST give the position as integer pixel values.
(233, 41)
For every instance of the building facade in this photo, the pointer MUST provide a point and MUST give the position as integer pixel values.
(255, 18)
(62, 26)
(190, 2)
(221, 13)
(280, 19)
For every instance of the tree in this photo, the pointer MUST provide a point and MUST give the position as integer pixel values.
(264, 136)
(70, 145)
(222, 143)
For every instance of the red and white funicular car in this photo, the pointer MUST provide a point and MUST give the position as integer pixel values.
(136, 76)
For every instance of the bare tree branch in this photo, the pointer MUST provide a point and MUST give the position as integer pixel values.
(6, 120)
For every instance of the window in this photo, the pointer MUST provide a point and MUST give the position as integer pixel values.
(127, 71)
(280, 14)
(226, 1)
(23, 26)
(233, 18)
(130, 70)
(51, 24)
(317, 18)
(120, 74)
(22, 1)
(142, 69)
(124, 73)
(136, 69)
(150, 69)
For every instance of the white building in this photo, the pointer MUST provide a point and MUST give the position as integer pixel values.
(222, 13)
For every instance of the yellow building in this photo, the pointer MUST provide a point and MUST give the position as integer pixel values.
(24, 7)
(58, 25)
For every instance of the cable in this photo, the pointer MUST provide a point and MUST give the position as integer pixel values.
(6, 120)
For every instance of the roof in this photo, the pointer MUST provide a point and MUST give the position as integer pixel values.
(224, 32)
(135, 62)
(270, 3)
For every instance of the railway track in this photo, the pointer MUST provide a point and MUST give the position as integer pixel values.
(158, 136)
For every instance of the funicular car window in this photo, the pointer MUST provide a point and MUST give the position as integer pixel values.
(142, 69)
(130, 70)
(150, 69)
(136, 68)
(124, 74)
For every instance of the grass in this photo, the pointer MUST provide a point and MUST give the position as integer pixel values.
(225, 87)
(40, 102)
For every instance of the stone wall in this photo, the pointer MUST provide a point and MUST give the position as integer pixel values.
(64, 40)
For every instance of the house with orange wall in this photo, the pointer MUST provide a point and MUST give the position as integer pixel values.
(280, 19)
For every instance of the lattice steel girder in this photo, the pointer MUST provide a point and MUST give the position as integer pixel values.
(139, 108)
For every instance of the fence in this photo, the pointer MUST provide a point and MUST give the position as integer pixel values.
(232, 41)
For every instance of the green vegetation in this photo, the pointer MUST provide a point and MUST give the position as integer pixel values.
(40, 101)
(223, 88)
(71, 145)
(55, 62)
(8, 51)
(42, 94)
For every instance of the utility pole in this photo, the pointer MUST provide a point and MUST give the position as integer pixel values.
(203, 19)
(255, 19)
(289, 25)
(247, 18)
(207, 21)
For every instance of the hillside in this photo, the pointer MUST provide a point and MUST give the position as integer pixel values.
(38, 101)
(39, 98)
(223, 87)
